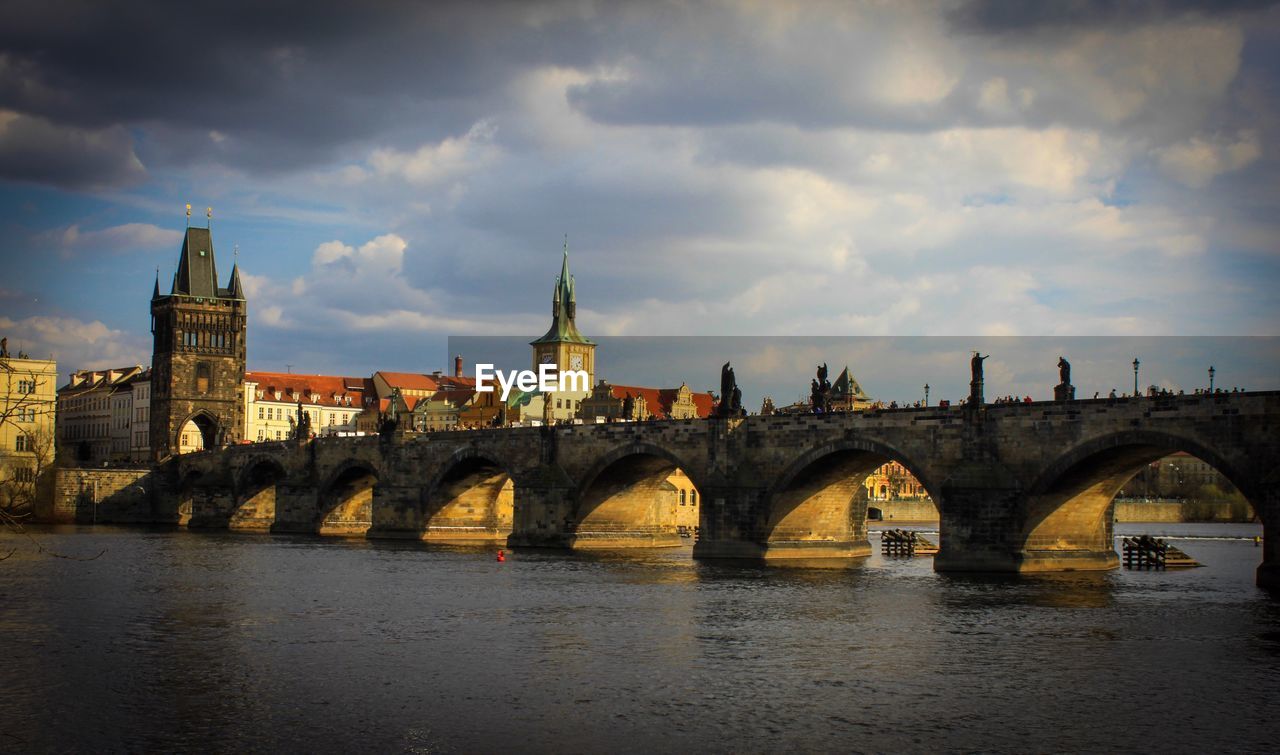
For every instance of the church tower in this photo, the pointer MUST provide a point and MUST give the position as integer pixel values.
(563, 345)
(198, 357)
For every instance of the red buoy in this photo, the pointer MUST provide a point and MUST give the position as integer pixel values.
(501, 557)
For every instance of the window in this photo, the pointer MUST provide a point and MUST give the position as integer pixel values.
(24, 474)
(24, 443)
(558, 404)
(693, 498)
(259, 436)
(259, 412)
(277, 435)
(26, 386)
(683, 498)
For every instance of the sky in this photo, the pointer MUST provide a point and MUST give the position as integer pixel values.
(387, 174)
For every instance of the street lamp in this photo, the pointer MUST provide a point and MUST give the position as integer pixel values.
(926, 394)
(1211, 371)
(1135, 377)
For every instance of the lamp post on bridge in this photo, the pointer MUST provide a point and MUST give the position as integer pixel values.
(1211, 371)
(926, 394)
(1135, 377)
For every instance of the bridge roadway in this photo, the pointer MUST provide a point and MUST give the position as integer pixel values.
(1020, 487)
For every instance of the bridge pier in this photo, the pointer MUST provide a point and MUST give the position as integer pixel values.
(734, 526)
(540, 516)
(982, 530)
(211, 507)
(394, 512)
(1268, 575)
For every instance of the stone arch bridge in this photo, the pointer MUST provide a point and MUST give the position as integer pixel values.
(1020, 487)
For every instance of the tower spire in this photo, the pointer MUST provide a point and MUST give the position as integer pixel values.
(564, 305)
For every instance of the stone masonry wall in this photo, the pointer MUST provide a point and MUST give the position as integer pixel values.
(101, 495)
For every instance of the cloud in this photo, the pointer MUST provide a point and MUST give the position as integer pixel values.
(129, 237)
(361, 288)
(733, 167)
(433, 163)
(76, 344)
(35, 150)
(1196, 162)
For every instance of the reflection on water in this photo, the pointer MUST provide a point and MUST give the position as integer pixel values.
(175, 641)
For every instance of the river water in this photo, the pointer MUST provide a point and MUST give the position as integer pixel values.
(177, 641)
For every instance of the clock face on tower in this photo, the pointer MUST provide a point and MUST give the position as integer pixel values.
(575, 362)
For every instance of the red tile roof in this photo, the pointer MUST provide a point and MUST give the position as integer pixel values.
(293, 388)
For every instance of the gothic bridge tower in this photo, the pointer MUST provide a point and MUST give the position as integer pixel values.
(198, 357)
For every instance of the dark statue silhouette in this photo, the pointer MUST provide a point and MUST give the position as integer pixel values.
(730, 395)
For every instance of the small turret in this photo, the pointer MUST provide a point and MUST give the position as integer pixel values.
(235, 289)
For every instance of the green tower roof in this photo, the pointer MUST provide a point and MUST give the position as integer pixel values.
(563, 309)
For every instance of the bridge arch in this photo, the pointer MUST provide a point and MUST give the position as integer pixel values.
(817, 508)
(205, 425)
(471, 500)
(256, 494)
(345, 505)
(1069, 506)
(624, 499)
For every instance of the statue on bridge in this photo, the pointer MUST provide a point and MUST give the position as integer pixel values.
(628, 406)
(820, 391)
(975, 380)
(302, 428)
(730, 395)
(391, 420)
(1064, 390)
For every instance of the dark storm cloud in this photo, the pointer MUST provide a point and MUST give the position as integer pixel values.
(1003, 16)
(33, 149)
(281, 83)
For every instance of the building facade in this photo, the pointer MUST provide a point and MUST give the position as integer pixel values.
(629, 402)
(198, 356)
(271, 404)
(891, 482)
(140, 432)
(685, 502)
(95, 415)
(28, 415)
(1178, 476)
